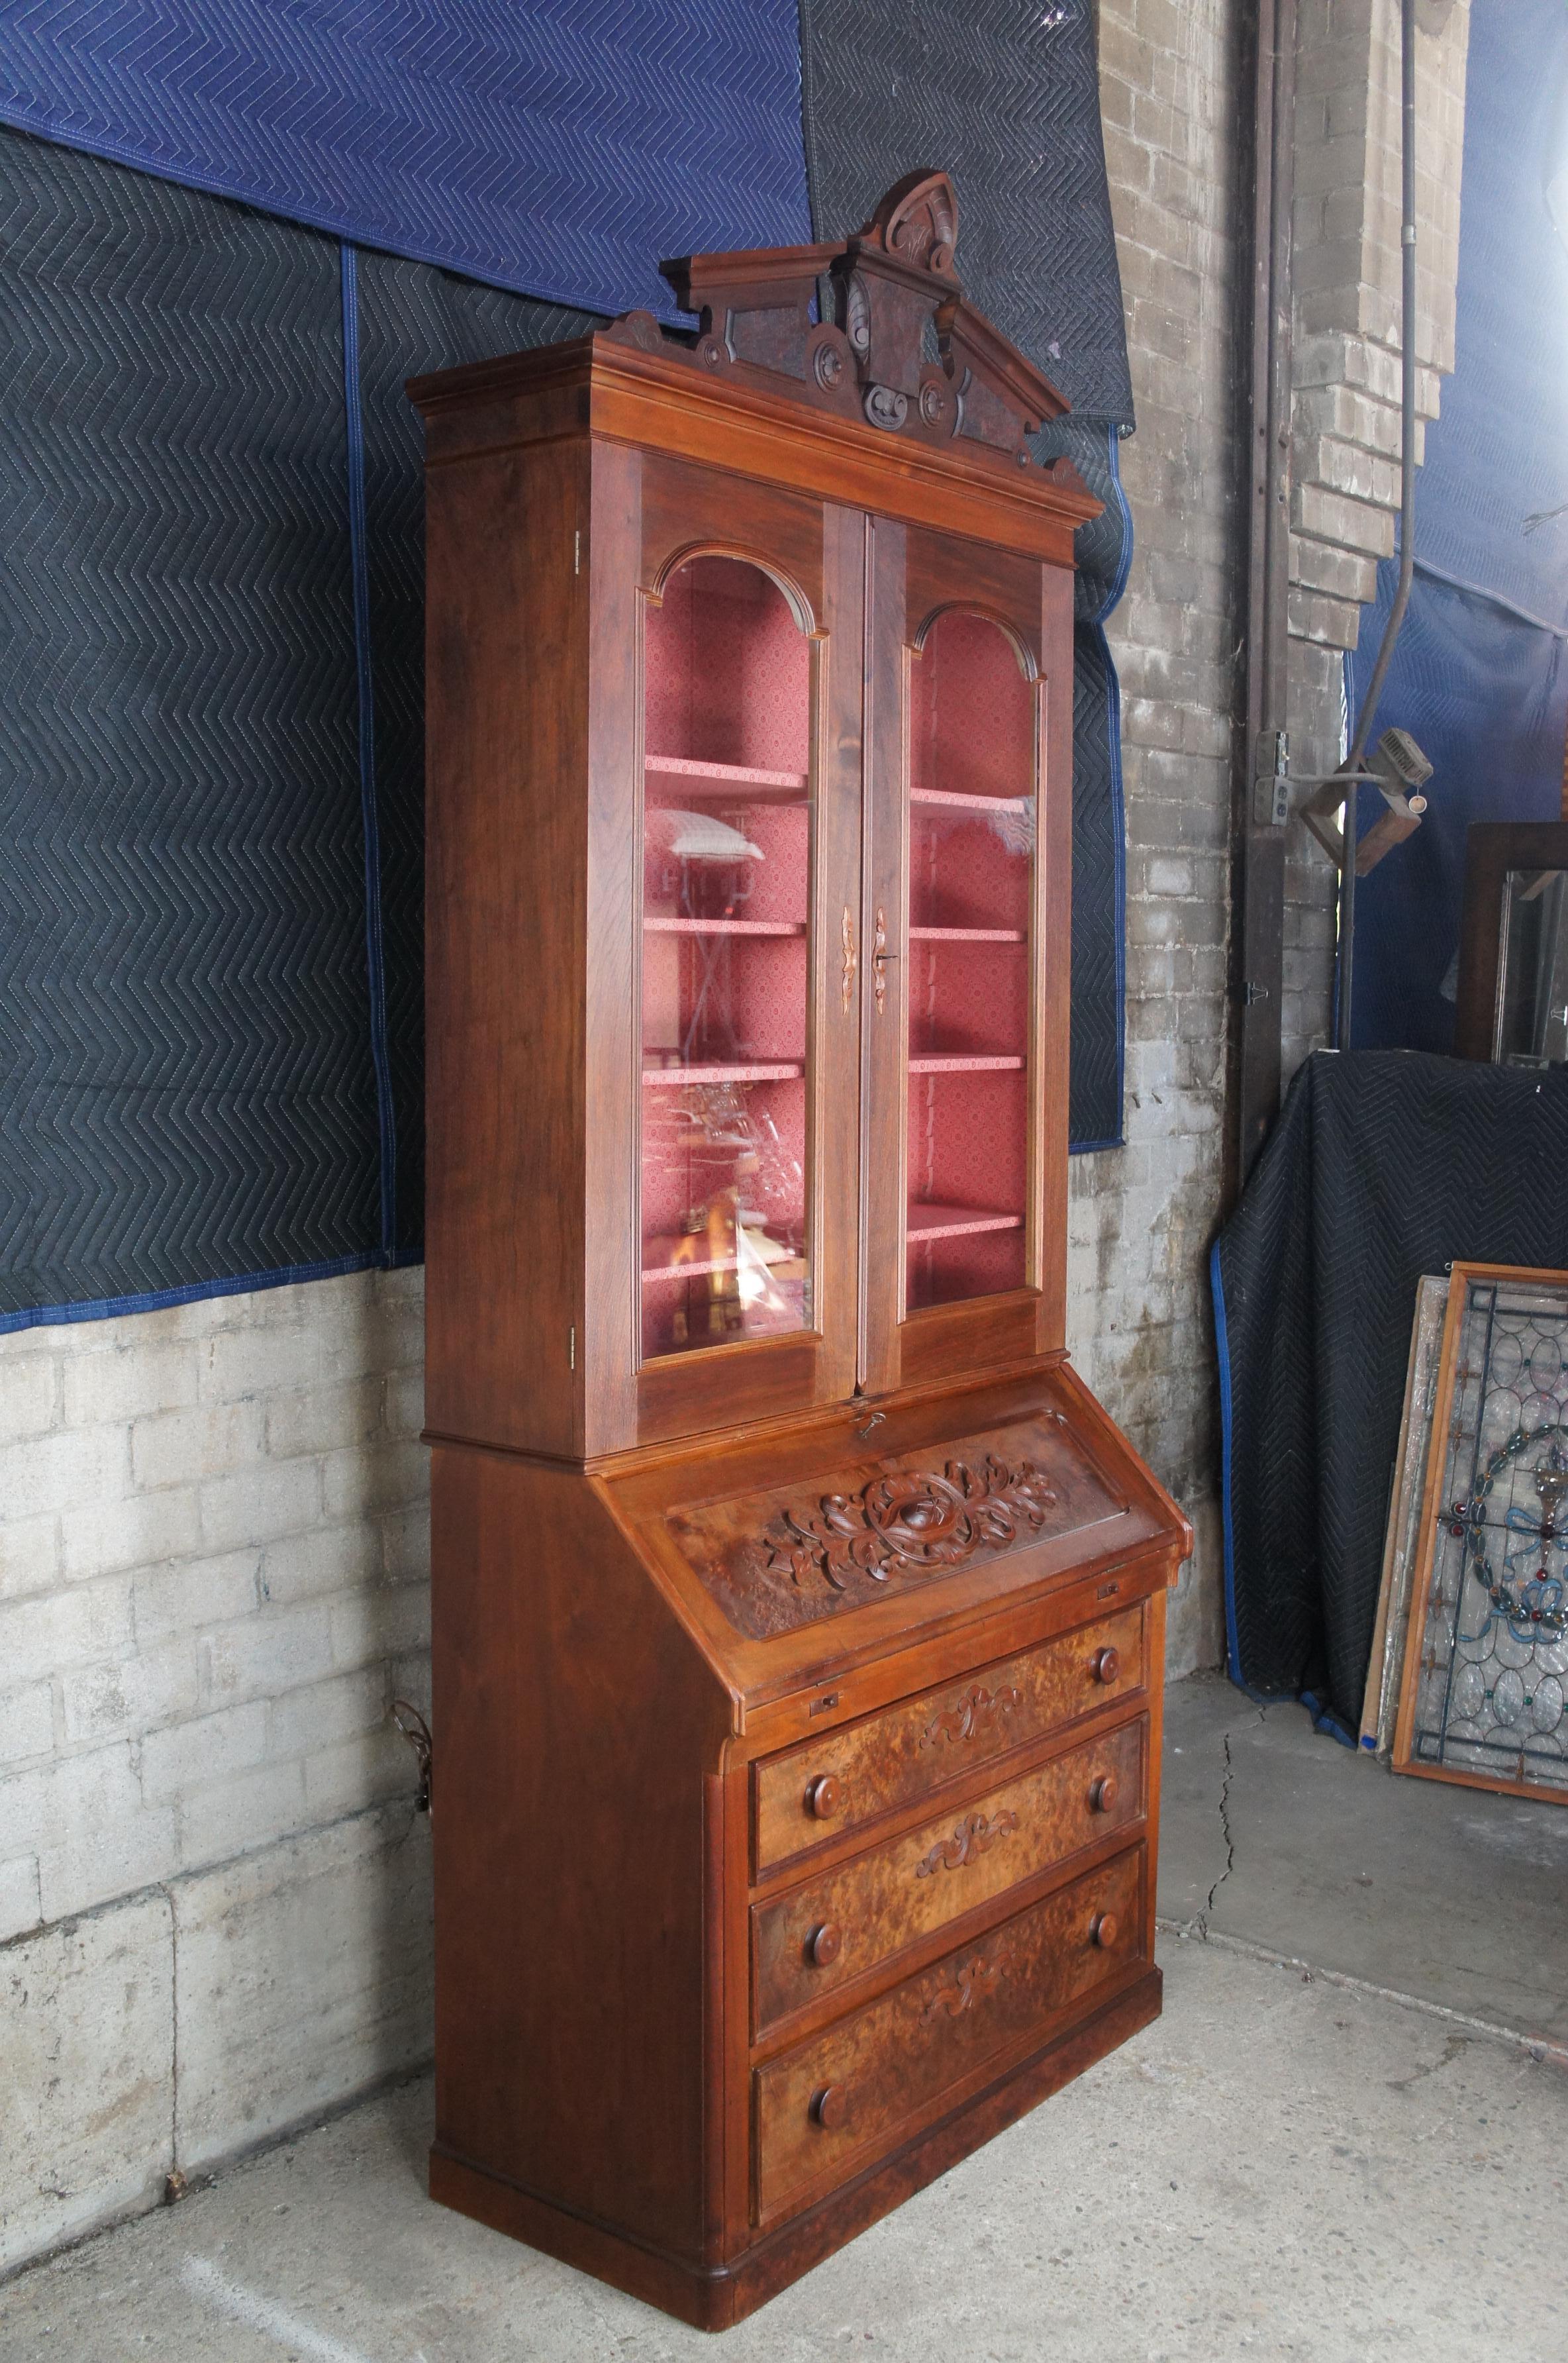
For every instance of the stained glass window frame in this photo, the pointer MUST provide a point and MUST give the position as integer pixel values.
(1489, 1619)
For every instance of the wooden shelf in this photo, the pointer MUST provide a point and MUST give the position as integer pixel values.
(659, 927)
(925, 1221)
(967, 936)
(728, 783)
(762, 1073)
(942, 1062)
(710, 1267)
(958, 802)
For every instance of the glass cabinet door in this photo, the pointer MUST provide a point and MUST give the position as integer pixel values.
(969, 944)
(966, 1083)
(727, 1204)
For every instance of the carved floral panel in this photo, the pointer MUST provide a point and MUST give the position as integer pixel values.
(776, 1561)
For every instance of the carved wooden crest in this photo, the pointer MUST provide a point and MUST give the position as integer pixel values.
(895, 342)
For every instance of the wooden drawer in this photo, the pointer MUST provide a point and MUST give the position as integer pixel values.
(847, 1920)
(827, 2108)
(907, 1751)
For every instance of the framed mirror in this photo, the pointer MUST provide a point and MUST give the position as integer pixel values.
(1512, 1005)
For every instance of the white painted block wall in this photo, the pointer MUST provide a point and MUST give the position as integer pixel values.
(214, 1915)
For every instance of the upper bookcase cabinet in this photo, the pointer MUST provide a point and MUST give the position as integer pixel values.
(750, 700)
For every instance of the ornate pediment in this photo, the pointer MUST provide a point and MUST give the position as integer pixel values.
(876, 328)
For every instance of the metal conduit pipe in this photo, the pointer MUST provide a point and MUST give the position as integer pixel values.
(1407, 513)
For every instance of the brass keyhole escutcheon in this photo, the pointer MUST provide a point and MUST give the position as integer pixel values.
(879, 957)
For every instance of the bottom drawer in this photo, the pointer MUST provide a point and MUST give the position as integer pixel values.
(823, 2110)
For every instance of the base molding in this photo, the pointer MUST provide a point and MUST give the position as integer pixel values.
(713, 2298)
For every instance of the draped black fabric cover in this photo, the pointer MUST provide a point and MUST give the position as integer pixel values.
(184, 1090)
(1383, 1165)
(412, 319)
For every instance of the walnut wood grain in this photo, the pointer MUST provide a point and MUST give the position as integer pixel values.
(508, 723)
(717, 2296)
(548, 2039)
(895, 1893)
(779, 1560)
(896, 2061)
(922, 1745)
(800, 1625)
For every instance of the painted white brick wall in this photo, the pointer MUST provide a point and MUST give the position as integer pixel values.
(1141, 1217)
(214, 1578)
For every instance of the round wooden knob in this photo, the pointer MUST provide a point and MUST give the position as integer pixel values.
(824, 1945)
(1102, 1930)
(1107, 1665)
(831, 2106)
(1102, 1794)
(824, 1797)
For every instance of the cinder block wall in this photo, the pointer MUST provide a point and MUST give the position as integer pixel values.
(214, 1578)
(1142, 1216)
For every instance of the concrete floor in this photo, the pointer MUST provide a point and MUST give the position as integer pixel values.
(1291, 2163)
(1276, 1835)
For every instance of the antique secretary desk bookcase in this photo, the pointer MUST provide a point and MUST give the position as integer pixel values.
(798, 1612)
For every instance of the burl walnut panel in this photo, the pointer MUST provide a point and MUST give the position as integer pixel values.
(825, 2108)
(776, 1560)
(925, 1743)
(851, 1919)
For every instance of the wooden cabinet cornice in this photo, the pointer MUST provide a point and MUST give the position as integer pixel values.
(798, 1615)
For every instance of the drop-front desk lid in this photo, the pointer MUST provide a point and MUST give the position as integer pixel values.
(836, 1540)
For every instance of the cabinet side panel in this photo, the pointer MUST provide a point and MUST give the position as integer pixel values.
(507, 687)
(1056, 920)
(572, 1717)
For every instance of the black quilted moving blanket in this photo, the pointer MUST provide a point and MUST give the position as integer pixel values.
(1383, 1165)
(185, 1094)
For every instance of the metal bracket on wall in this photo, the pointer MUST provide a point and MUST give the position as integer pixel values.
(417, 1731)
(1271, 785)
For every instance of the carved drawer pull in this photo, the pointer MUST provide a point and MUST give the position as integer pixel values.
(824, 1797)
(1102, 1794)
(829, 2107)
(974, 1835)
(850, 962)
(980, 1714)
(1107, 1665)
(975, 1977)
(1103, 1930)
(824, 1945)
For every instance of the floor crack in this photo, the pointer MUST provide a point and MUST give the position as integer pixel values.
(1200, 1921)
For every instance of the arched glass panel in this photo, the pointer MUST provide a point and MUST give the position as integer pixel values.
(727, 1227)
